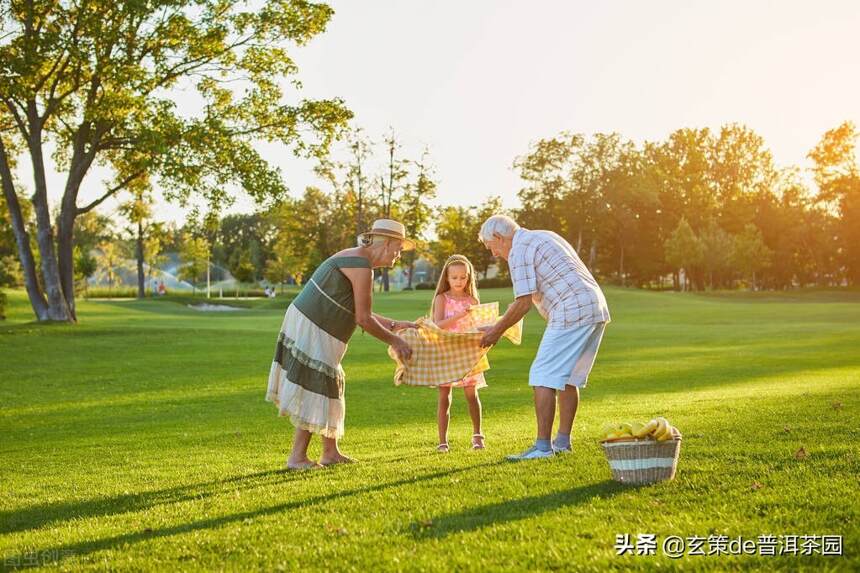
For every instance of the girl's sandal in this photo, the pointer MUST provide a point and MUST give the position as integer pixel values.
(477, 441)
(442, 448)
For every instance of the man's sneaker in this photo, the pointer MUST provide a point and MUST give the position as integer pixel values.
(557, 450)
(531, 454)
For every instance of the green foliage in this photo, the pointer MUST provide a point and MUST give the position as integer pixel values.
(10, 271)
(195, 258)
(750, 254)
(3, 300)
(683, 248)
(97, 80)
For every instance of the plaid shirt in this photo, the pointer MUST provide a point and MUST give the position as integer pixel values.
(545, 266)
(443, 357)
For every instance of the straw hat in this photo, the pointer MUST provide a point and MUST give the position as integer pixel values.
(392, 229)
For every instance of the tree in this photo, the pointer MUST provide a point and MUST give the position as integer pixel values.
(194, 255)
(110, 261)
(397, 172)
(138, 211)
(838, 178)
(10, 272)
(94, 81)
(717, 248)
(85, 266)
(684, 250)
(750, 254)
(416, 210)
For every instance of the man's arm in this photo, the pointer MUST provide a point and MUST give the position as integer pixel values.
(515, 312)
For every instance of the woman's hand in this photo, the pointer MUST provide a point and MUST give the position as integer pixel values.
(401, 347)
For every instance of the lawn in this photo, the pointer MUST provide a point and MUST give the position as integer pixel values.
(139, 439)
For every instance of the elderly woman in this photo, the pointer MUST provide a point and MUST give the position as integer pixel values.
(306, 380)
(545, 270)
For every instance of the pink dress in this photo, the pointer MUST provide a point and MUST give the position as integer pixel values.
(454, 306)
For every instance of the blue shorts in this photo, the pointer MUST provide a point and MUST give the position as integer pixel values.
(565, 356)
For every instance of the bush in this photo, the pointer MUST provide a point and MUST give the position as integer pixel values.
(407, 288)
(116, 292)
(2, 305)
(425, 286)
(495, 282)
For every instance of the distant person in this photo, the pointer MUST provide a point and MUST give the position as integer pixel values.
(162, 290)
(545, 270)
(154, 287)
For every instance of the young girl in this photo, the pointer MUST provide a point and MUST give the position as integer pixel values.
(455, 294)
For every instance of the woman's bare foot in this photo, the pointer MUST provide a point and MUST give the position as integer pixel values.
(338, 458)
(304, 464)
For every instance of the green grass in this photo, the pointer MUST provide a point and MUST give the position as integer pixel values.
(139, 439)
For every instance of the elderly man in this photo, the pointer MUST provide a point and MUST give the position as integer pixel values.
(547, 271)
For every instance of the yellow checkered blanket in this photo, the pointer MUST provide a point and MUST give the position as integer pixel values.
(443, 357)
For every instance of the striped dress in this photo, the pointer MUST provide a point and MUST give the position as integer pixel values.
(306, 379)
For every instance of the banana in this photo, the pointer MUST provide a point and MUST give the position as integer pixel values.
(645, 429)
(607, 429)
(648, 429)
(662, 432)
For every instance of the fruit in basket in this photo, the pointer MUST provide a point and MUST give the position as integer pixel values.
(658, 429)
(615, 431)
(646, 429)
(663, 431)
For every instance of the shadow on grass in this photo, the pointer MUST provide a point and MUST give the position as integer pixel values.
(513, 510)
(38, 516)
(65, 551)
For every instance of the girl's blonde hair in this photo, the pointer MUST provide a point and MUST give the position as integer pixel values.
(442, 286)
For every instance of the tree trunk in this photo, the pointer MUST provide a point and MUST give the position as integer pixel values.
(141, 289)
(58, 308)
(592, 256)
(65, 251)
(22, 239)
(579, 242)
(385, 279)
(411, 270)
(621, 267)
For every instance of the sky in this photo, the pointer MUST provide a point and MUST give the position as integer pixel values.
(478, 81)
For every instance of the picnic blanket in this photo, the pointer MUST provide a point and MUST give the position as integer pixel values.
(443, 357)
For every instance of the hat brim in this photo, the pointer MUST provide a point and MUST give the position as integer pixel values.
(408, 244)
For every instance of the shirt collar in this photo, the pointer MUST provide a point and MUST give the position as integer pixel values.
(519, 235)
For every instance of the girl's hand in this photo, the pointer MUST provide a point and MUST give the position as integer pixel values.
(404, 352)
(466, 311)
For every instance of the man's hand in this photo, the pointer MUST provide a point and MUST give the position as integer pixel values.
(491, 335)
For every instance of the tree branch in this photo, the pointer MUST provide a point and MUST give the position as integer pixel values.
(109, 192)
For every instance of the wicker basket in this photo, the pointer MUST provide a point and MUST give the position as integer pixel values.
(642, 461)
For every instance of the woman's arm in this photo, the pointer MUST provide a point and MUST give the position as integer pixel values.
(393, 325)
(362, 284)
(439, 313)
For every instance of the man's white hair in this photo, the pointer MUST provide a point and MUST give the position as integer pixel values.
(499, 224)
